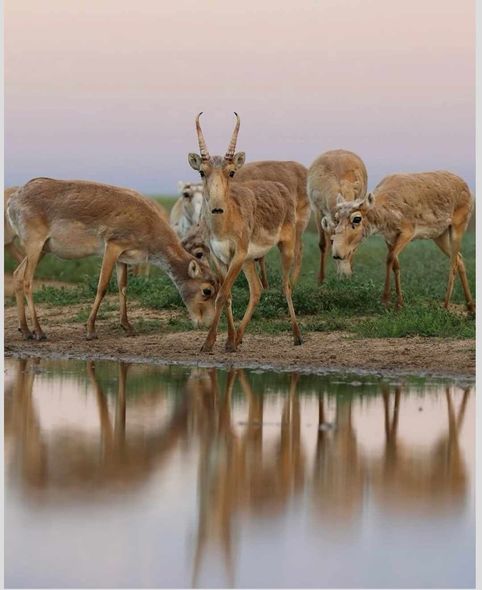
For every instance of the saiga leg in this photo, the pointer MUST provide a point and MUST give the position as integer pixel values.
(223, 296)
(121, 269)
(33, 255)
(255, 290)
(287, 253)
(111, 254)
(445, 243)
(392, 264)
(324, 244)
(20, 298)
(262, 273)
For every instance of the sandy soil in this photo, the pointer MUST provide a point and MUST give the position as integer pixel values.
(320, 351)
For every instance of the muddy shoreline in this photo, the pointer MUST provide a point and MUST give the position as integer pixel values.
(322, 353)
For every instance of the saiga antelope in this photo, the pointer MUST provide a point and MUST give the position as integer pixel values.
(74, 219)
(293, 176)
(402, 208)
(244, 220)
(187, 209)
(334, 173)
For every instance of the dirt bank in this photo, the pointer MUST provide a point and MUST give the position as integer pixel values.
(320, 351)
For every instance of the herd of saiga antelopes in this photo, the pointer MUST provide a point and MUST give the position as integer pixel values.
(246, 210)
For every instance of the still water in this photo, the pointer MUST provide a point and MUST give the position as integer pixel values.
(140, 476)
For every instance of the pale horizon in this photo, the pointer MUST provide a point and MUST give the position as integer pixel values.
(108, 90)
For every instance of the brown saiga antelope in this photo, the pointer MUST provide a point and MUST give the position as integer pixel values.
(293, 176)
(244, 220)
(74, 218)
(334, 173)
(402, 208)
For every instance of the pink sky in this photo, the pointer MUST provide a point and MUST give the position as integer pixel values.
(108, 89)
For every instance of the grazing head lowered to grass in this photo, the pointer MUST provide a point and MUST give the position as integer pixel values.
(404, 207)
(244, 220)
(74, 219)
(336, 174)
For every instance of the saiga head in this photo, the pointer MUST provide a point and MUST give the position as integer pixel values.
(348, 230)
(198, 291)
(217, 171)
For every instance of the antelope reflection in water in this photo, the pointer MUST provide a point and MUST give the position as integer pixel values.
(407, 478)
(245, 472)
(236, 476)
(59, 458)
(339, 472)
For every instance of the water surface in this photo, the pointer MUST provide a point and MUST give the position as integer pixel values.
(144, 476)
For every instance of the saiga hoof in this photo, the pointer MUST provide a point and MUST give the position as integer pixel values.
(206, 347)
(129, 330)
(39, 336)
(26, 333)
(230, 346)
(92, 336)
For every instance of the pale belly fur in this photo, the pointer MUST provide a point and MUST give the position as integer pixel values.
(223, 251)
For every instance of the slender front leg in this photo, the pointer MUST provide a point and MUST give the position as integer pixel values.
(394, 250)
(255, 290)
(111, 253)
(223, 296)
(287, 253)
(324, 245)
(121, 269)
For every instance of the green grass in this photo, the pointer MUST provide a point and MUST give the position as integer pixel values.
(351, 305)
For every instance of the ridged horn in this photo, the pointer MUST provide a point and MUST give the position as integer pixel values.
(202, 142)
(232, 146)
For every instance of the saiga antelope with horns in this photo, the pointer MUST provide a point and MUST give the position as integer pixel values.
(404, 207)
(293, 176)
(74, 219)
(244, 220)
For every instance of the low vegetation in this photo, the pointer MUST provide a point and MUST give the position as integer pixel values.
(352, 305)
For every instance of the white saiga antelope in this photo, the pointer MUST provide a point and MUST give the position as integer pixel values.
(244, 220)
(187, 209)
(334, 173)
(74, 219)
(402, 208)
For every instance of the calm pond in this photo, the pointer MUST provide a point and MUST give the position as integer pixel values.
(147, 476)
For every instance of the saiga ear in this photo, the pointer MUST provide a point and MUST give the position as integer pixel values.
(194, 161)
(369, 201)
(326, 224)
(180, 185)
(193, 270)
(239, 160)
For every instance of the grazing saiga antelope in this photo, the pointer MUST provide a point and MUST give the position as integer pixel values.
(187, 209)
(244, 221)
(402, 208)
(74, 219)
(334, 173)
(9, 235)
